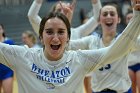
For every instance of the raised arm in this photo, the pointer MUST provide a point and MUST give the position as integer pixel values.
(90, 25)
(137, 44)
(96, 8)
(9, 54)
(33, 16)
(84, 43)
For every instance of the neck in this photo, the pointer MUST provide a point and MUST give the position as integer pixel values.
(52, 56)
(108, 37)
(1, 38)
(30, 45)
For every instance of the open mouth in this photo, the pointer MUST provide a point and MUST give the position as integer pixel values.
(109, 24)
(55, 47)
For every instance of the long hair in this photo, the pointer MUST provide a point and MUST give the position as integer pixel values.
(3, 34)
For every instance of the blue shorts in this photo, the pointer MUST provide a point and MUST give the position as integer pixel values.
(135, 67)
(112, 91)
(5, 72)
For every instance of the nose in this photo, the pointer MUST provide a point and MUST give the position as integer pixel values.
(108, 15)
(55, 37)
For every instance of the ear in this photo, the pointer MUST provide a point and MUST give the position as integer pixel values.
(68, 40)
(119, 20)
(41, 40)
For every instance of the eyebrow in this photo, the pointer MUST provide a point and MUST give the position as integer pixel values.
(51, 28)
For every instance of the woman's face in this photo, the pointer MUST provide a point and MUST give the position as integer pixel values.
(128, 17)
(55, 38)
(26, 39)
(109, 18)
(60, 6)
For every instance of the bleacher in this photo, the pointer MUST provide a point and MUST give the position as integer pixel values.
(14, 17)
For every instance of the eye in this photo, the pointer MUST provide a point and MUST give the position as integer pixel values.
(112, 14)
(61, 32)
(105, 14)
(49, 31)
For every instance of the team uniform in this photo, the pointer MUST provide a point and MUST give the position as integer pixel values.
(6, 72)
(36, 74)
(76, 33)
(134, 62)
(112, 77)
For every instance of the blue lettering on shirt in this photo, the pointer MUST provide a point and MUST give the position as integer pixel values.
(52, 77)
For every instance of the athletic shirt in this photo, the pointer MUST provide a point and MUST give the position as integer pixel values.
(114, 76)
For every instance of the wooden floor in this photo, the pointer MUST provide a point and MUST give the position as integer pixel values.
(15, 88)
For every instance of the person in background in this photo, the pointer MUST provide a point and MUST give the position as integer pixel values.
(67, 9)
(6, 74)
(134, 62)
(110, 78)
(29, 39)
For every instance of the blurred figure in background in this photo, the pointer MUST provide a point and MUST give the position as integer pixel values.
(6, 74)
(134, 62)
(67, 9)
(29, 39)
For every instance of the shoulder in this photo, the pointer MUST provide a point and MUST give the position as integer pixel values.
(9, 41)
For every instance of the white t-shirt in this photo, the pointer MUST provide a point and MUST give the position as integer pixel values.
(36, 74)
(114, 76)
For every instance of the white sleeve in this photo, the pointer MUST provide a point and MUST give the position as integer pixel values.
(33, 16)
(93, 59)
(96, 9)
(137, 45)
(8, 53)
(83, 43)
(89, 26)
(85, 29)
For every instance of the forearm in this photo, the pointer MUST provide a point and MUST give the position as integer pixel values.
(96, 8)
(137, 44)
(92, 23)
(34, 9)
(33, 16)
(82, 43)
(3, 59)
(87, 28)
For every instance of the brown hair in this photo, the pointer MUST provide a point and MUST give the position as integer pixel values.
(53, 15)
(31, 35)
(3, 34)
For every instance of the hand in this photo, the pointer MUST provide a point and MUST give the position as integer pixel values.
(136, 4)
(94, 1)
(68, 9)
(39, 1)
